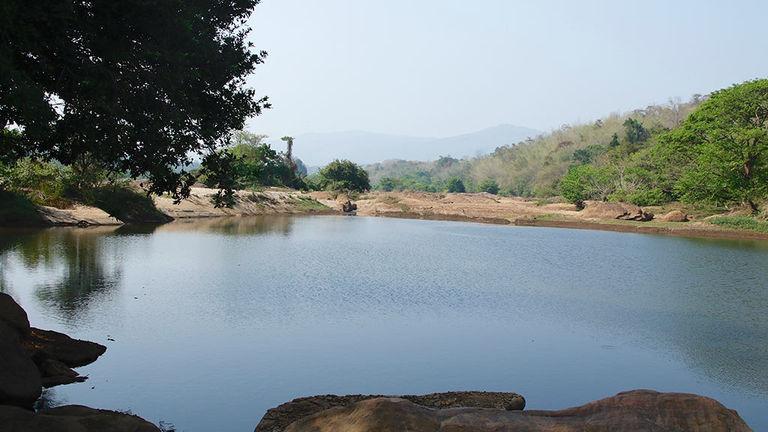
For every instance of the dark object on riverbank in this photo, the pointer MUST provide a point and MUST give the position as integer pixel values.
(277, 419)
(639, 410)
(31, 358)
(71, 418)
(615, 210)
(348, 207)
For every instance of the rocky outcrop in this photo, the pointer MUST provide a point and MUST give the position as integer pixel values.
(639, 410)
(614, 210)
(277, 419)
(13, 315)
(20, 382)
(72, 418)
(675, 216)
(31, 358)
(58, 346)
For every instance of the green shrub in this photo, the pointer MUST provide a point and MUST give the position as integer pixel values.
(44, 183)
(647, 197)
(455, 185)
(386, 184)
(127, 205)
(17, 210)
(585, 182)
(490, 186)
(342, 175)
(741, 222)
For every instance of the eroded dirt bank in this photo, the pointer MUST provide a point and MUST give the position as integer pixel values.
(198, 205)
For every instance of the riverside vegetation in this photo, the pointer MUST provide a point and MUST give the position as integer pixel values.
(710, 154)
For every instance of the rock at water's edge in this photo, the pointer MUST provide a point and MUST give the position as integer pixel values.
(20, 383)
(634, 411)
(614, 210)
(14, 315)
(278, 418)
(675, 216)
(31, 358)
(58, 346)
(71, 418)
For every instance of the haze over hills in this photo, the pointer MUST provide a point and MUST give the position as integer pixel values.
(367, 147)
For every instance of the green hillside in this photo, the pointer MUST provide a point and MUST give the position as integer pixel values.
(712, 149)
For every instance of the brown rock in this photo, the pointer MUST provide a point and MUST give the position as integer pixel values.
(56, 373)
(473, 399)
(72, 352)
(635, 411)
(277, 419)
(20, 383)
(675, 216)
(72, 418)
(31, 358)
(614, 210)
(13, 315)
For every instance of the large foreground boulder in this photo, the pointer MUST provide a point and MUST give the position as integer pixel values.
(277, 419)
(31, 359)
(634, 411)
(14, 315)
(19, 378)
(20, 382)
(614, 210)
(71, 418)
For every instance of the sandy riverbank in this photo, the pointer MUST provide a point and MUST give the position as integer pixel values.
(470, 207)
(198, 205)
(487, 208)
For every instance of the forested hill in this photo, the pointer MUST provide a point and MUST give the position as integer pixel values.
(711, 149)
(535, 165)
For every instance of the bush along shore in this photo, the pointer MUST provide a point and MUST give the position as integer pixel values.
(31, 359)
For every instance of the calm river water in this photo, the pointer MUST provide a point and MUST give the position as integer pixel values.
(214, 321)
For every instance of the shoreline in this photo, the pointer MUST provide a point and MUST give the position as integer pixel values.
(476, 208)
(618, 226)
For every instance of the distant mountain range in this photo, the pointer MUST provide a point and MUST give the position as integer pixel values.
(317, 149)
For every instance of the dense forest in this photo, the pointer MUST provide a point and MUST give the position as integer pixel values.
(712, 149)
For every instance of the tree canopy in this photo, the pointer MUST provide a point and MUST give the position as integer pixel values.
(137, 86)
(723, 147)
(343, 175)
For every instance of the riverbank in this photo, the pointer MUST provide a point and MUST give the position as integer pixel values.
(494, 209)
(198, 205)
(466, 207)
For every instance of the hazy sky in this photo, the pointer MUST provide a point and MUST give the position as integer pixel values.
(444, 67)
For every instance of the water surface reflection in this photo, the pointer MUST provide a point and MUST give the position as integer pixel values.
(240, 314)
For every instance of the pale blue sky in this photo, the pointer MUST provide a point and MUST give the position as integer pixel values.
(444, 67)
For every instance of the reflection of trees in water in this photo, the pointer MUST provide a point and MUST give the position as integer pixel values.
(87, 268)
(88, 271)
(235, 226)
